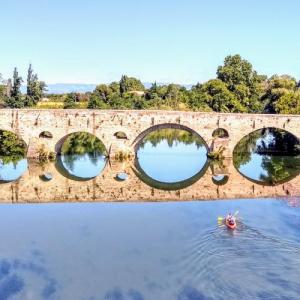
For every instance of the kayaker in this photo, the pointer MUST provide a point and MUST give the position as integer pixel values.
(230, 221)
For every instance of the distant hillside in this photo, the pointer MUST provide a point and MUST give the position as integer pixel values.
(63, 88)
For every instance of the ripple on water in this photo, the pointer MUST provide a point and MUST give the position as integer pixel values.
(241, 263)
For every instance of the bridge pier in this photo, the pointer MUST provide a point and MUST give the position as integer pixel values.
(119, 150)
(221, 144)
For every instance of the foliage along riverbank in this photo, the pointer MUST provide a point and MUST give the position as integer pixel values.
(12, 148)
(236, 88)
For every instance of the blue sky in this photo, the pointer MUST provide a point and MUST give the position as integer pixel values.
(92, 41)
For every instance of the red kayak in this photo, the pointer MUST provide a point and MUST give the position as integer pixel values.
(230, 223)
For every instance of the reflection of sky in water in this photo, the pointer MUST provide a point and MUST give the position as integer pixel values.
(12, 171)
(253, 169)
(171, 164)
(84, 166)
(149, 251)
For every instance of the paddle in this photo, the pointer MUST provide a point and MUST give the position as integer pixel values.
(221, 219)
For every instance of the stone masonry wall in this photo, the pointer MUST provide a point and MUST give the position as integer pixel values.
(29, 123)
(30, 188)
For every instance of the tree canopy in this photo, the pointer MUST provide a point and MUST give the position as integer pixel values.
(13, 97)
(35, 88)
(237, 87)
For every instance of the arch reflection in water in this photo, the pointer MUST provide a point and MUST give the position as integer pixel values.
(268, 156)
(12, 156)
(83, 156)
(12, 170)
(220, 179)
(171, 155)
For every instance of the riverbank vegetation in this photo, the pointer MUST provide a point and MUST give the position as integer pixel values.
(12, 148)
(238, 87)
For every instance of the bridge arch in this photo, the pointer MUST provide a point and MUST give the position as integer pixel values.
(60, 142)
(85, 156)
(138, 140)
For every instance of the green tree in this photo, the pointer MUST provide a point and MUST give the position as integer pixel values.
(35, 88)
(288, 103)
(196, 100)
(115, 87)
(218, 98)
(95, 102)
(243, 82)
(15, 98)
(128, 84)
(153, 97)
(104, 92)
(2, 90)
(276, 88)
(101, 97)
(175, 95)
(70, 101)
(152, 92)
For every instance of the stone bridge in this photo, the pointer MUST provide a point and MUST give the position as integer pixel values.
(29, 124)
(30, 188)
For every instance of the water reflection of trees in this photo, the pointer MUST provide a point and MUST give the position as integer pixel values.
(279, 150)
(277, 141)
(12, 148)
(82, 144)
(172, 136)
(279, 168)
(244, 149)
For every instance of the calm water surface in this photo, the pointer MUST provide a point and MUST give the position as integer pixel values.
(85, 166)
(174, 163)
(150, 251)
